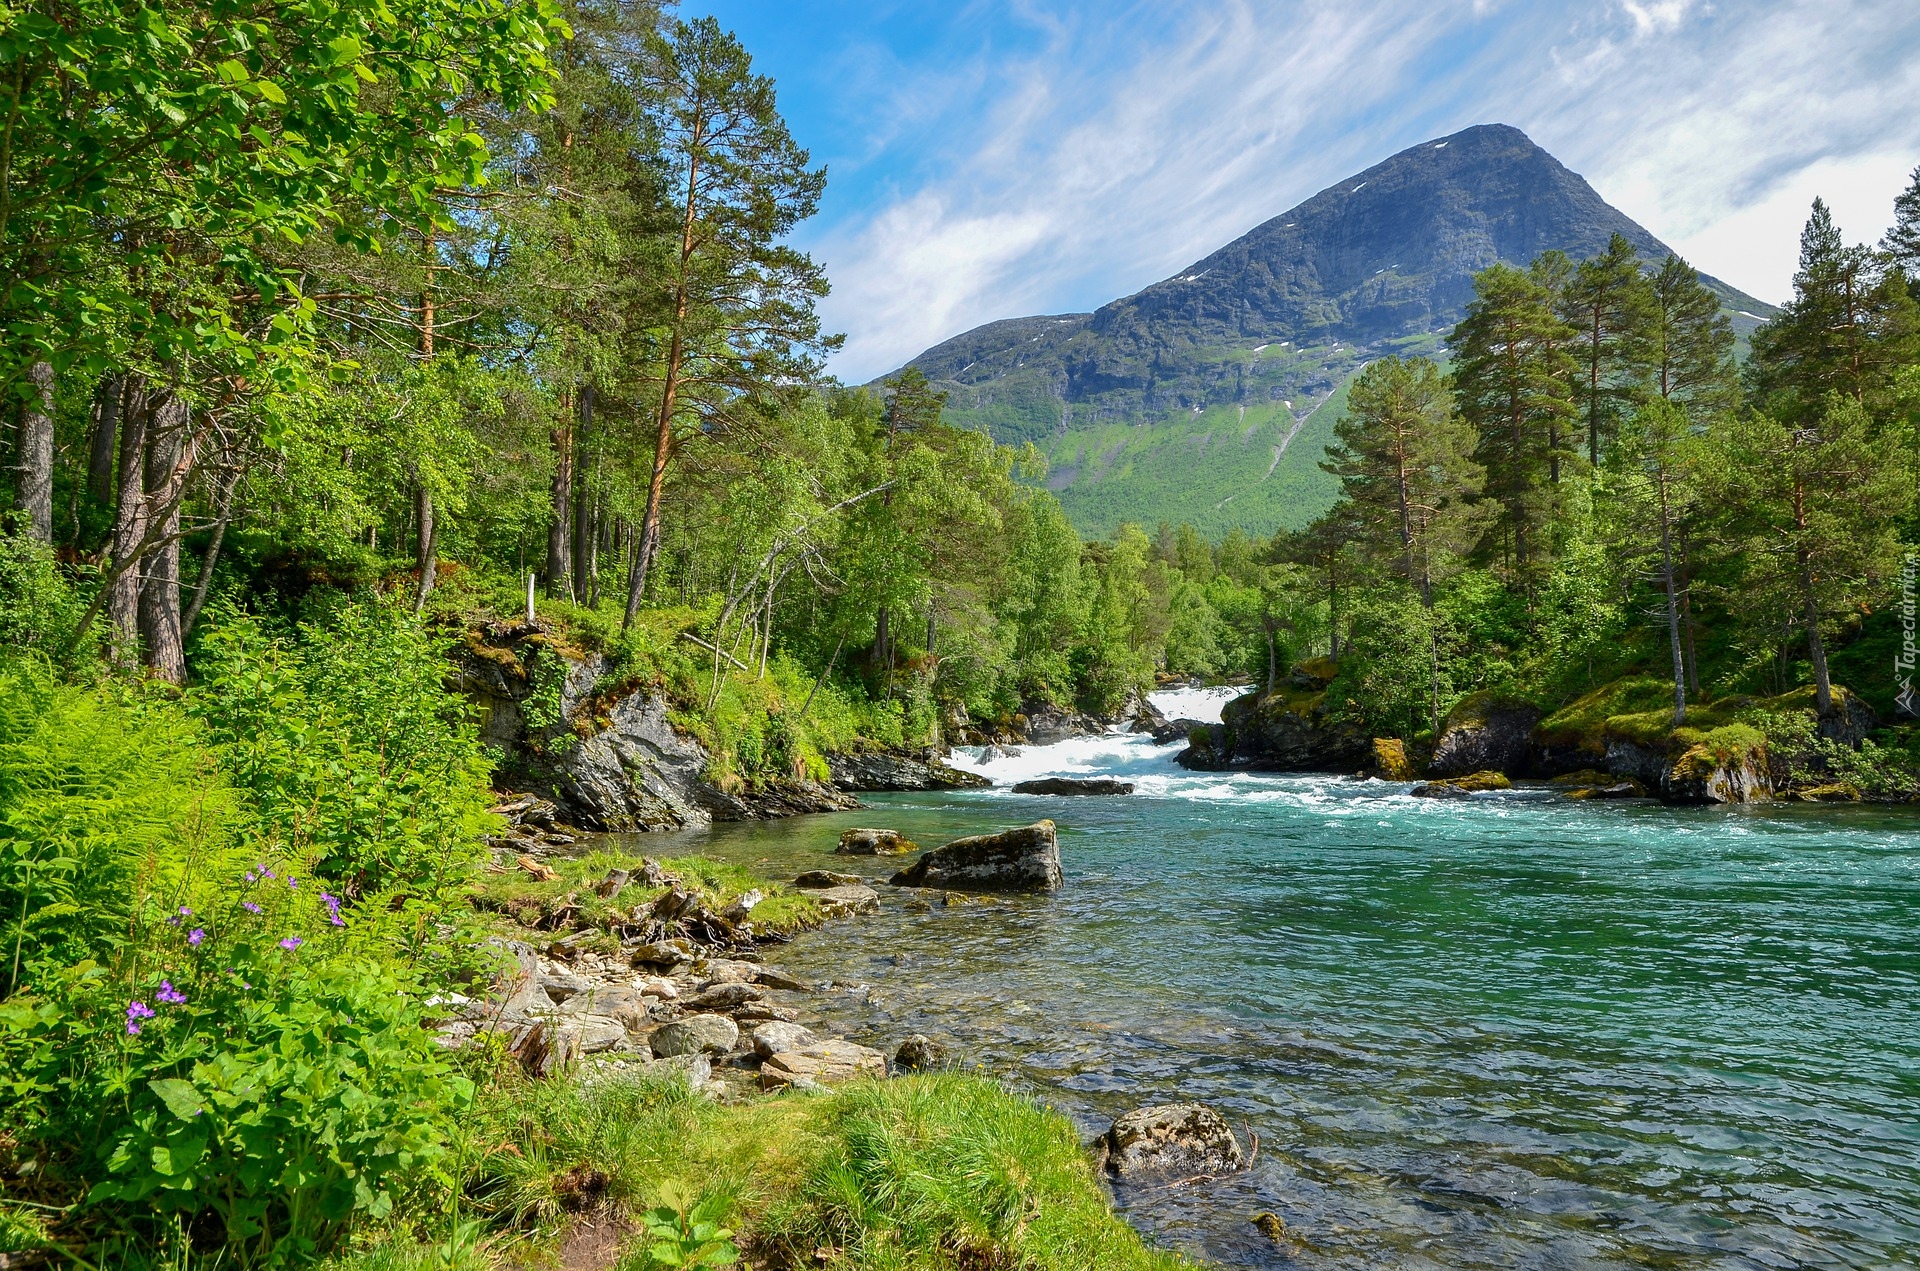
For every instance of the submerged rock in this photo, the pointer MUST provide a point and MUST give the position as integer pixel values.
(861, 842)
(1180, 1139)
(846, 901)
(1628, 789)
(1020, 860)
(1462, 787)
(1074, 785)
(817, 879)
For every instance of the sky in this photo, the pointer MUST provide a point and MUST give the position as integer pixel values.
(998, 158)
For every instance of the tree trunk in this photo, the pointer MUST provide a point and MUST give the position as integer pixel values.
(1673, 608)
(106, 427)
(586, 530)
(129, 532)
(426, 544)
(882, 641)
(36, 454)
(1273, 655)
(160, 626)
(1816, 647)
(560, 528)
(212, 556)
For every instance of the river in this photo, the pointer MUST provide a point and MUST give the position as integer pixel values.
(1512, 1031)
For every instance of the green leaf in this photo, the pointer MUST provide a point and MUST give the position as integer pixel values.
(180, 1097)
(270, 91)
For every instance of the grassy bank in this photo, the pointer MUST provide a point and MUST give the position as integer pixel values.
(935, 1171)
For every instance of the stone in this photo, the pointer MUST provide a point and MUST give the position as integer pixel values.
(1026, 859)
(1835, 792)
(1175, 1139)
(1074, 786)
(819, 879)
(861, 773)
(666, 953)
(1485, 732)
(654, 986)
(561, 985)
(1462, 787)
(635, 773)
(762, 1012)
(728, 971)
(1585, 777)
(1628, 789)
(773, 977)
(722, 997)
(875, 843)
(772, 1038)
(1169, 731)
(1290, 730)
(916, 1053)
(622, 1002)
(918, 907)
(821, 1064)
(696, 1069)
(845, 902)
(695, 1034)
(1736, 774)
(1390, 762)
(595, 1033)
(743, 906)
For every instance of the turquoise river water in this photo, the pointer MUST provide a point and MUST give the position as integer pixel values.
(1516, 1031)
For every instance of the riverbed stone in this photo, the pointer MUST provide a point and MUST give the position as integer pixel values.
(869, 842)
(1026, 859)
(695, 1034)
(916, 1053)
(724, 997)
(821, 1064)
(1179, 1139)
(772, 977)
(772, 1038)
(844, 902)
(821, 879)
(695, 1069)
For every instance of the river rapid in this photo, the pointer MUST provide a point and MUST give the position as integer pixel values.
(1515, 1031)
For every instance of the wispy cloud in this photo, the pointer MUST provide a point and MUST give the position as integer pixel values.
(1118, 145)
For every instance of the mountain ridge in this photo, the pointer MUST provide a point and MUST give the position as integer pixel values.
(1269, 327)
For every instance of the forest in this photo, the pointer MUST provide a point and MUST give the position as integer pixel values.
(333, 334)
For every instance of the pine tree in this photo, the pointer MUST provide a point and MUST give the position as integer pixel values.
(1902, 243)
(1821, 341)
(1511, 376)
(1689, 344)
(1609, 304)
(1659, 455)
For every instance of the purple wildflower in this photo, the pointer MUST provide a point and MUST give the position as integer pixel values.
(291, 943)
(184, 913)
(195, 936)
(333, 909)
(168, 994)
(250, 907)
(292, 881)
(137, 1011)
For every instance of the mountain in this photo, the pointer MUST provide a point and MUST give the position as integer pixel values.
(1210, 397)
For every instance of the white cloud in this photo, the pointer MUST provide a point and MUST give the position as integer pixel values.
(1097, 166)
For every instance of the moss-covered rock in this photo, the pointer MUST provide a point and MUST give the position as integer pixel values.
(1390, 761)
(1285, 731)
(1459, 787)
(1485, 732)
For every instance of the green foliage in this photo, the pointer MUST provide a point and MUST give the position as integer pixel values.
(686, 1230)
(346, 745)
(38, 609)
(101, 794)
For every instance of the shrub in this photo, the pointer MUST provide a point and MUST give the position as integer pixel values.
(230, 1058)
(347, 746)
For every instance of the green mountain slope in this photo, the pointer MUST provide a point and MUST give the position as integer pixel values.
(1171, 404)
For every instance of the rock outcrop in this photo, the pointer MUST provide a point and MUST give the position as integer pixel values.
(1485, 732)
(877, 772)
(1020, 860)
(1463, 787)
(1074, 786)
(822, 1063)
(1177, 1140)
(1288, 730)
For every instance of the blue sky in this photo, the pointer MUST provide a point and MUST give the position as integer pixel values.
(993, 158)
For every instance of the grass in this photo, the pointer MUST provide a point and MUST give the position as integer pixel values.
(935, 1171)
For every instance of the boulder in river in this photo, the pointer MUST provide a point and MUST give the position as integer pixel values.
(1177, 1139)
(694, 1035)
(1026, 859)
(856, 773)
(1461, 787)
(846, 901)
(860, 842)
(1074, 785)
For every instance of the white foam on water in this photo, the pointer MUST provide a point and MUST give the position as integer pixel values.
(1202, 704)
